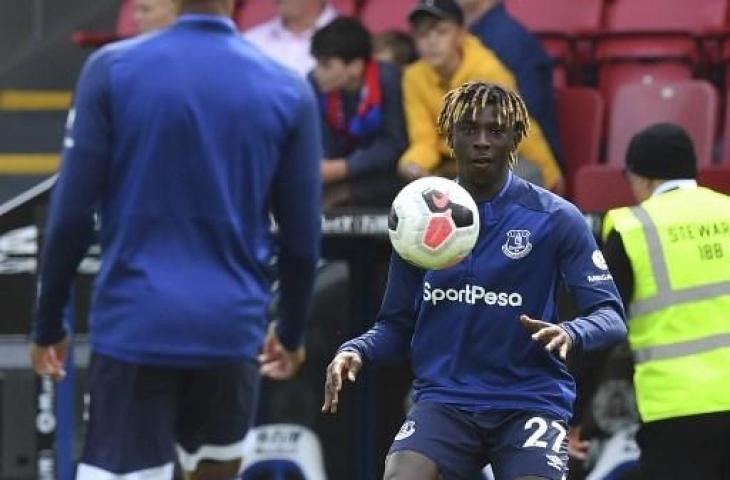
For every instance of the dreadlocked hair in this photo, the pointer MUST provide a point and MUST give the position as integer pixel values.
(472, 98)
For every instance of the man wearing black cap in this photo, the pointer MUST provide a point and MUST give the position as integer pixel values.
(670, 258)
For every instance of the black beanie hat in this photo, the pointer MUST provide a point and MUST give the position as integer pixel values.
(662, 151)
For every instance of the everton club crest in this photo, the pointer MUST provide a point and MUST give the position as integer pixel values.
(518, 244)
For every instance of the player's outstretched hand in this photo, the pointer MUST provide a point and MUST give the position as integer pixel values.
(276, 362)
(49, 360)
(552, 336)
(345, 363)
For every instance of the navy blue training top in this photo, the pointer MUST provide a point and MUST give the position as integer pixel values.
(461, 324)
(183, 141)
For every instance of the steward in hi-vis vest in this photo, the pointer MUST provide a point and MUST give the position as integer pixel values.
(670, 257)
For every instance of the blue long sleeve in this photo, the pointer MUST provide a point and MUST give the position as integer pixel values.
(600, 329)
(297, 204)
(391, 335)
(586, 275)
(70, 225)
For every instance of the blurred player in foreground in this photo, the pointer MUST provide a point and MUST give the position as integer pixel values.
(491, 385)
(182, 165)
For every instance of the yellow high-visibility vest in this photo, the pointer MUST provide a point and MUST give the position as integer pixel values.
(678, 244)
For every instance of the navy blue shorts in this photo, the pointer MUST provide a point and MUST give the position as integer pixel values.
(515, 443)
(139, 415)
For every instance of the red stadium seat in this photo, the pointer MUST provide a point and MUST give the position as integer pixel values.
(560, 76)
(647, 30)
(601, 187)
(580, 125)
(716, 177)
(725, 158)
(558, 23)
(383, 15)
(692, 104)
(725, 58)
(571, 17)
(668, 15)
(614, 75)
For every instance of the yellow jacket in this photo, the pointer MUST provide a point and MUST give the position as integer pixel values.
(423, 92)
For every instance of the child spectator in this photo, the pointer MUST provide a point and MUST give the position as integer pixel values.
(360, 103)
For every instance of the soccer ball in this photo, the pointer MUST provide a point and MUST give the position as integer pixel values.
(433, 223)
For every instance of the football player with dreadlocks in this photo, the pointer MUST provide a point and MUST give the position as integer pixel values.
(488, 355)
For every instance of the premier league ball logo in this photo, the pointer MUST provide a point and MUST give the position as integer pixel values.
(433, 223)
(447, 217)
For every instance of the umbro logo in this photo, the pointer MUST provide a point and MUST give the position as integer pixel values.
(408, 429)
(555, 461)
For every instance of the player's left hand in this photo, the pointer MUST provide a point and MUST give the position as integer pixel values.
(552, 336)
(346, 364)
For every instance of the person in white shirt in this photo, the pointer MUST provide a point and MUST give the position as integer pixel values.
(286, 38)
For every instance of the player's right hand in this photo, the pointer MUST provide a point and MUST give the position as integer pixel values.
(345, 363)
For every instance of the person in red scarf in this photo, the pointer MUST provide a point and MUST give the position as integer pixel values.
(360, 103)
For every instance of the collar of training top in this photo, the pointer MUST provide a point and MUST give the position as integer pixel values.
(200, 18)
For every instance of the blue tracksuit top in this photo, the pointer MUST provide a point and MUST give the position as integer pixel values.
(184, 141)
(461, 325)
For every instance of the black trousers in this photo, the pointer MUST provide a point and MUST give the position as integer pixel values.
(686, 448)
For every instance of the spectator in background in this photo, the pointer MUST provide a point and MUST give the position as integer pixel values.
(360, 103)
(670, 258)
(394, 47)
(450, 56)
(149, 15)
(520, 50)
(287, 37)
